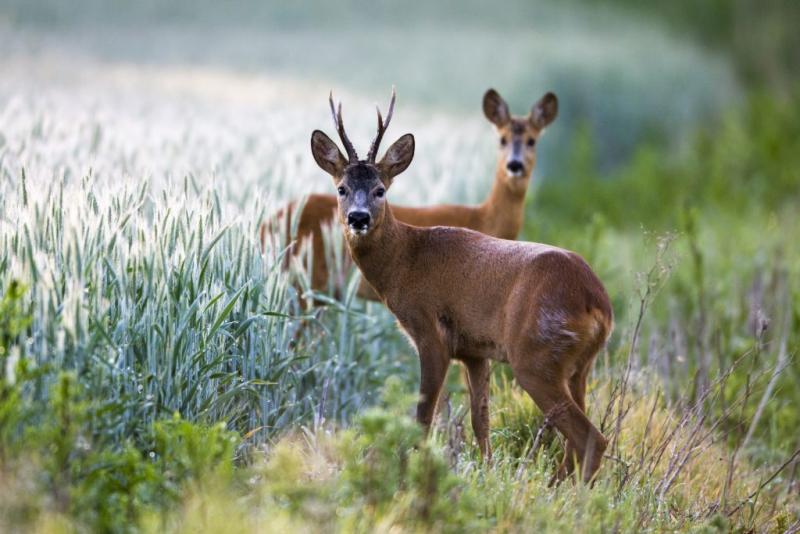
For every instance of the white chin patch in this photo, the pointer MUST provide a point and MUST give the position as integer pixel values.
(518, 174)
(358, 232)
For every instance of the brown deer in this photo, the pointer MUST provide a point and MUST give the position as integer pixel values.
(499, 215)
(463, 295)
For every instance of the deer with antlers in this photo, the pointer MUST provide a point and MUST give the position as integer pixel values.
(500, 215)
(463, 295)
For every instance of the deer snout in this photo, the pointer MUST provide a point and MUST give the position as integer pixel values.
(515, 167)
(358, 220)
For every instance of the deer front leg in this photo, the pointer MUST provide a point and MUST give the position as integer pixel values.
(433, 360)
(478, 372)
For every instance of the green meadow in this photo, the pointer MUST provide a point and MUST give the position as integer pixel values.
(160, 372)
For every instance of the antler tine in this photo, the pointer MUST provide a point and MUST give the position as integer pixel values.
(333, 110)
(382, 126)
(391, 109)
(339, 125)
(380, 118)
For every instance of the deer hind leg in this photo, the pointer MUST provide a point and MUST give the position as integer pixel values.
(577, 389)
(478, 373)
(551, 393)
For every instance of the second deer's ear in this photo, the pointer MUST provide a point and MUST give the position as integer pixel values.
(544, 111)
(397, 158)
(495, 108)
(327, 154)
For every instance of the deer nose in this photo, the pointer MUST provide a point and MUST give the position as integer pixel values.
(358, 220)
(514, 166)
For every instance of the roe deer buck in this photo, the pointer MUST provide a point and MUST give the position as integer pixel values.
(499, 215)
(462, 295)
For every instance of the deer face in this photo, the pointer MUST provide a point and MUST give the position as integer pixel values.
(361, 184)
(517, 136)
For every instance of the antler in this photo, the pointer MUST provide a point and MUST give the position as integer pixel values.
(382, 126)
(339, 125)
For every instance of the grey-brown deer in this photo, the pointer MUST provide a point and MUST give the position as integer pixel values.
(463, 295)
(500, 215)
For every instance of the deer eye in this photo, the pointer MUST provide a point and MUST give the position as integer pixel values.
(342, 191)
(503, 141)
(531, 141)
(380, 192)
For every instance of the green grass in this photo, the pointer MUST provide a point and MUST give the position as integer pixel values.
(156, 364)
(158, 372)
(733, 267)
(162, 310)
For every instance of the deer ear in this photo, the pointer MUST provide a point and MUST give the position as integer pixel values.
(327, 154)
(544, 111)
(397, 158)
(495, 108)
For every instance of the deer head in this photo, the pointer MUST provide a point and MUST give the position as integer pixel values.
(518, 135)
(361, 183)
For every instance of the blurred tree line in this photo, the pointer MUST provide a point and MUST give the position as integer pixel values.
(761, 36)
(746, 161)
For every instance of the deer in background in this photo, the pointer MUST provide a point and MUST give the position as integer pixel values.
(500, 215)
(459, 294)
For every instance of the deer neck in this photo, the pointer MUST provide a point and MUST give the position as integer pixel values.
(504, 208)
(378, 253)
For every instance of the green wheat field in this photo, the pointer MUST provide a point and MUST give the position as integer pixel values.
(159, 372)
